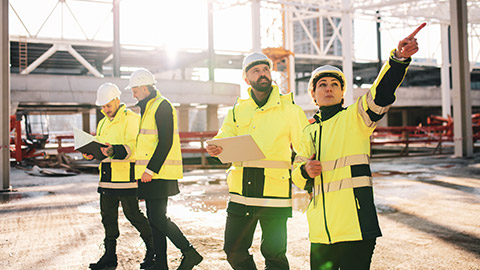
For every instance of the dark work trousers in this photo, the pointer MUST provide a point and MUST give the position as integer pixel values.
(109, 211)
(239, 232)
(163, 227)
(354, 255)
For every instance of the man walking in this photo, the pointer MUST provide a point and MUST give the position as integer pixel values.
(118, 129)
(158, 167)
(261, 190)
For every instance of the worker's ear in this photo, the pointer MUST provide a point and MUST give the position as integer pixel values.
(247, 81)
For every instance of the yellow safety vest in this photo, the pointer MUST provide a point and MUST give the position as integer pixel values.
(147, 141)
(342, 208)
(274, 127)
(122, 129)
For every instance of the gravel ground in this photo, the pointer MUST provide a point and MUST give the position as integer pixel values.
(428, 211)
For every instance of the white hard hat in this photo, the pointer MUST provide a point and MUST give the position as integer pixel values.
(327, 71)
(141, 77)
(254, 59)
(106, 93)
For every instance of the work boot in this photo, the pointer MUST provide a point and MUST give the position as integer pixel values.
(149, 255)
(109, 259)
(158, 266)
(189, 259)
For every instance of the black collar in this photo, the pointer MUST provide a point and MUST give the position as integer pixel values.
(327, 112)
(143, 103)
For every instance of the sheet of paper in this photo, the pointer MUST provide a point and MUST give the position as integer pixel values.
(87, 144)
(238, 148)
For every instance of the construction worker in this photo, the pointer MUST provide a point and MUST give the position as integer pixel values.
(334, 157)
(261, 190)
(159, 166)
(118, 130)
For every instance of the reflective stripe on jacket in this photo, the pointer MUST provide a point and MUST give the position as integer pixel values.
(274, 127)
(342, 208)
(121, 130)
(147, 141)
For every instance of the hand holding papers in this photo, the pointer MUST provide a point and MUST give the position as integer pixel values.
(238, 148)
(88, 144)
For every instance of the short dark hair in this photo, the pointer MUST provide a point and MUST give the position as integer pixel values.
(328, 74)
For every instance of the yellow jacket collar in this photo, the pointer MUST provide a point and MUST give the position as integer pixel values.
(273, 99)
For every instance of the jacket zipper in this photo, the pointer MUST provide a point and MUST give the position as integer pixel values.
(321, 184)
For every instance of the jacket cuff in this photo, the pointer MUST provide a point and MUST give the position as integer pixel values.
(399, 60)
(119, 151)
(149, 171)
(310, 181)
(304, 173)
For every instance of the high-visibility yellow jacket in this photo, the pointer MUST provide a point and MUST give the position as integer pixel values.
(342, 208)
(147, 141)
(274, 127)
(121, 132)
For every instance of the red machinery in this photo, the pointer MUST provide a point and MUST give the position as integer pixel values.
(25, 148)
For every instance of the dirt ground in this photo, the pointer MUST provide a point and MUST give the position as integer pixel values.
(428, 209)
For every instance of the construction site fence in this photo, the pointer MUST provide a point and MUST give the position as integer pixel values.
(423, 140)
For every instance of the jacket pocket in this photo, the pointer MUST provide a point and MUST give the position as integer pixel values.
(277, 182)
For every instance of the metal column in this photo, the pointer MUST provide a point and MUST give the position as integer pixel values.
(116, 38)
(211, 47)
(256, 40)
(445, 72)
(347, 50)
(288, 24)
(461, 87)
(5, 102)
(379, 43)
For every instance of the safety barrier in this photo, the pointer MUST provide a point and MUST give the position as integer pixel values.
(410, 136)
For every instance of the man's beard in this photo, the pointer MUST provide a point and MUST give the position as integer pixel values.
(263, 86)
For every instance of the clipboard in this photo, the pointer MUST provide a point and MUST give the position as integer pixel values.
(238, 148)
(88, 144)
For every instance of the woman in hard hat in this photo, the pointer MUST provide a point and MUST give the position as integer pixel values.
(333, 160)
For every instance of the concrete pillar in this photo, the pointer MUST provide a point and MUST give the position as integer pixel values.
(347, 50)
(5, 102)
(183, 118)
(86, 121)
(461, 86)
(212, 117)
